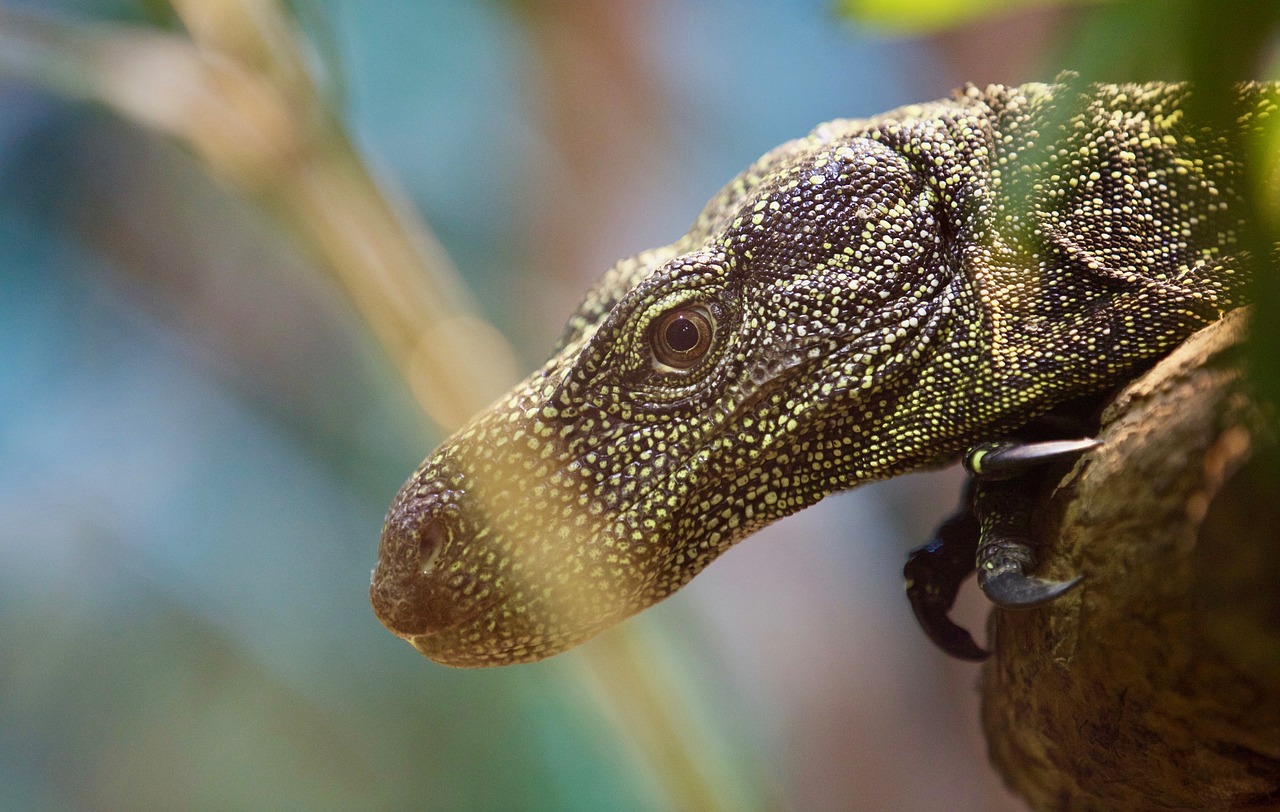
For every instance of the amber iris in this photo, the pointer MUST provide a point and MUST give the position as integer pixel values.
(682, 336)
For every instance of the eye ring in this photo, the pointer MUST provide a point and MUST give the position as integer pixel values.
(682, 336)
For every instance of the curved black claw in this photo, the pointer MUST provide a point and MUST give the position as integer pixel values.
(1003, 579)
(1013, 590)
(1007, 459)
(934, 574)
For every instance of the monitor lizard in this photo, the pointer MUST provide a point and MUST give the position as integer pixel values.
(877, 297)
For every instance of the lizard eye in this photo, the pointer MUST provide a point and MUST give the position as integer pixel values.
(682, 336)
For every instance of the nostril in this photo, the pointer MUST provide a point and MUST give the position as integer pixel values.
(432, 538)
(418, 538)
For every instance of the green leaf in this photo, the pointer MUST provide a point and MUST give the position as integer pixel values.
(925, 16)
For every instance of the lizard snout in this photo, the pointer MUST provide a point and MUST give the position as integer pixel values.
(411, 591)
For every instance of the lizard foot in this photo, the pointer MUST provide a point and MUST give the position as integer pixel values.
(934, 573)
(993, 528)
(1002, 577)
(1003, 504)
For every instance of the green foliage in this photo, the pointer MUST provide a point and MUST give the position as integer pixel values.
(926, 16)
(1197, 40)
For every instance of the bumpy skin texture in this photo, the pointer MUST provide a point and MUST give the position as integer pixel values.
(877, 296)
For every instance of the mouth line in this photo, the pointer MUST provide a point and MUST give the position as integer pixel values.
(480, 609)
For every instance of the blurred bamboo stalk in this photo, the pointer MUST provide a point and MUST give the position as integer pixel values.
(237, 92)
(634, 677)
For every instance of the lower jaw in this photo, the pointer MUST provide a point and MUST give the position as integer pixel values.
(450, 653)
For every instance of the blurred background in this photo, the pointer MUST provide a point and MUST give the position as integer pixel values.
(250, 256)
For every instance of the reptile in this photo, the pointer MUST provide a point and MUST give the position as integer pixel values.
(883, 295)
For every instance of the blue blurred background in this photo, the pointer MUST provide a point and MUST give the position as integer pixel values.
(199, 436)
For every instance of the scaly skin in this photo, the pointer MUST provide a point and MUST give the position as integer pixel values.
(878, 296)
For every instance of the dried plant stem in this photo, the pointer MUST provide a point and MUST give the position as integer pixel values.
(241, 101)
(237, 93)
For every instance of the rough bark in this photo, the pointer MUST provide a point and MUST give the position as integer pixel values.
(1157, 684)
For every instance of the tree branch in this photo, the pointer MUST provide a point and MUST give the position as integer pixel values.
(1156, 685)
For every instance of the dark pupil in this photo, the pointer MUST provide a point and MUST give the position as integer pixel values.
(682, 334)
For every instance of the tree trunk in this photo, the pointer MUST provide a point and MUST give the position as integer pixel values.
(1156, 685)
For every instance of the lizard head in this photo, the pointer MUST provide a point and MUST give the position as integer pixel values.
(702, 390)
